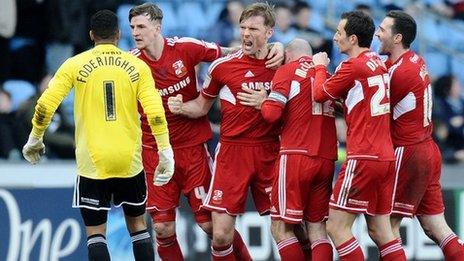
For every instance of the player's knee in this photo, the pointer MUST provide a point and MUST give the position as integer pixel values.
(434, 226)
(428, 230)
(223, 236)
(331, 227)
(165, 229)
(317, 231)
(281, 230)
(275, 231)
(375, 234)
(395, 225)
(207, 227)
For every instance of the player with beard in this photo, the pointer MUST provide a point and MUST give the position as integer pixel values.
(418, 159)
(366, 180)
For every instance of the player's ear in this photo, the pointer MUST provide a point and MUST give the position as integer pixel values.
(269, 33)
(158, 28)
(118, 36)
(398, 38)
(91, 35)
(353, 39)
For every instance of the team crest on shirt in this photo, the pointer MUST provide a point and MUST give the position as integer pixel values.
(179, 68)
(217, 196)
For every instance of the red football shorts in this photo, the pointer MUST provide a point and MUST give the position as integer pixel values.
(301, 189)
(418, 190)
(364, 186)
(192, 175)
(238, 167)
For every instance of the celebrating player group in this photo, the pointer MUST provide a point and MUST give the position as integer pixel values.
(277, 137)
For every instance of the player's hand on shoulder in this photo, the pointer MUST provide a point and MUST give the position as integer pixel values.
(33, 150)
(276, 55)
(175, 104)
(165, 169)
(321, 58)
(252, 98)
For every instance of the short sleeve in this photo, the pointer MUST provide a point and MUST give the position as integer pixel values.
(281, 84)
(212, 84)
(199, 50)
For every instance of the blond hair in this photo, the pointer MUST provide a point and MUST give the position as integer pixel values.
(263, 9)
(151, 10)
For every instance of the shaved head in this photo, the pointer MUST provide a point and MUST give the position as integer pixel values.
(296, 48)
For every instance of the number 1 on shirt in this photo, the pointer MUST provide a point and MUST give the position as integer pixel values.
(110, 107)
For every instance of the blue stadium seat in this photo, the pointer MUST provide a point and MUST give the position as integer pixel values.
(194, 18)
(341, 6)
(372, 3)
(316, 21)
(454, 34)
(318, 6)
(456, 68)
(20, 91)
(437, 63)
(213, 11)
(126, 41)
(170, 18)
(429, 29)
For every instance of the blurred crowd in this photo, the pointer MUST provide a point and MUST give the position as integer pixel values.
(36, 36)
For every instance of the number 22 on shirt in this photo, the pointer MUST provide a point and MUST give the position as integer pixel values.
(378, 104)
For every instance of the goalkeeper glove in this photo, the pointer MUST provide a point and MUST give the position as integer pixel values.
(165, 168)
(33, 150)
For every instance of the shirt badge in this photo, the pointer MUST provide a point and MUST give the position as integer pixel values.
(179, 68)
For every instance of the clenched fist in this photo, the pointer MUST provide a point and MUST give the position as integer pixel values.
(175, 104)
(321, 59)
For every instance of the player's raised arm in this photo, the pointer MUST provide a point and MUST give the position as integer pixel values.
(46, 106)
(273, 107)
(276, 55)
(335, 86)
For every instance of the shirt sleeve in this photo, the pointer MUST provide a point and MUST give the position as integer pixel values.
(281, 85)
(274, 105)
(58, 89)
(152, 105)
(272, 110)
(211, 85)
(334, 87)
(201, 51)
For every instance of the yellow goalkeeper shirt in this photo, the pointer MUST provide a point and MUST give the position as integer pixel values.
(108, 83)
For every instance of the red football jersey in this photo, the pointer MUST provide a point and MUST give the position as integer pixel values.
(174, 73)
(411, 100)
(308, 127)
(363, 85)
(226, 77)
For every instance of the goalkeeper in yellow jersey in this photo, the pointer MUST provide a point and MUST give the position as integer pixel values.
(108, 84)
